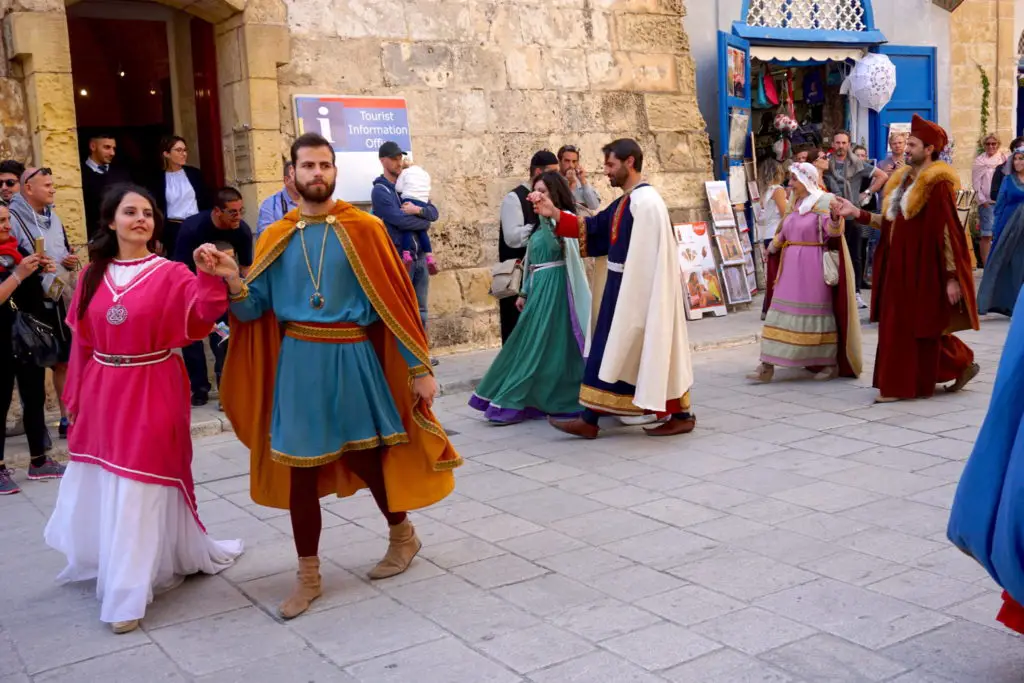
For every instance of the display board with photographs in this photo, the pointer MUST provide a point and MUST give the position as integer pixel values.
(730, 246)
(741, 220)
(721, 207)
(701, 282)
(751, 272)
(736, 289)
(739, 124)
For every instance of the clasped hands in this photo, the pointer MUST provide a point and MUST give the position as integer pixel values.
(213, 262)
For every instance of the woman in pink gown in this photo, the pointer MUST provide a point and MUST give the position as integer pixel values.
(126, 513)
(809, 323)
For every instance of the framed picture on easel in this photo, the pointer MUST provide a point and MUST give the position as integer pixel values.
(736, 289)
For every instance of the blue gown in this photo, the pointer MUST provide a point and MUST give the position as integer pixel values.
(608, 234)
(987, 519)
(1004, 271)
(328, 398)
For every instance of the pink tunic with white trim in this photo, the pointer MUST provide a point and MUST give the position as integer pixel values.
(128, 394)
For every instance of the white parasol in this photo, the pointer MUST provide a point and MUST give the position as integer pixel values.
(872, 81)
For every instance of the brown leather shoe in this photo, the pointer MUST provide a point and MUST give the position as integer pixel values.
(576, 427)
(673, 427)
(969, 373)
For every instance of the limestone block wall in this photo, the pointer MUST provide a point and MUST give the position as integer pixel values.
(982, 33)
(489, 82)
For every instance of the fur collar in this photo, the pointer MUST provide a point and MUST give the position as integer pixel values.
(912, 199)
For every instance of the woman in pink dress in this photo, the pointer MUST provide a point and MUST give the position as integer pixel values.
(810, 324)
(126, 513)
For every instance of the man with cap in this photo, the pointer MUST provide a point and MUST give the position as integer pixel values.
(517, 223)
(923, 287)
(387, 206)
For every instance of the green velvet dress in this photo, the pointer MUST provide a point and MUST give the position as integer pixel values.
(540, 367)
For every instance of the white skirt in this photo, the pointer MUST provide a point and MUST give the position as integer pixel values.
(135, 539)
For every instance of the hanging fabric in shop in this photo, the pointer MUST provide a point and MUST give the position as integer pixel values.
(872, 81)
(814, 87)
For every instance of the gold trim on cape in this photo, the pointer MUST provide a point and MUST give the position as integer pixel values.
(350, 446)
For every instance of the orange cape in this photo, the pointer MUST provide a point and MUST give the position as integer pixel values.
(417, 473)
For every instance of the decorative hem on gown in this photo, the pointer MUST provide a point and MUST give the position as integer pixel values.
(496, 413)
(135, 539)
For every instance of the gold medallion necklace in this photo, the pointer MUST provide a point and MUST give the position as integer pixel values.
(317, 299)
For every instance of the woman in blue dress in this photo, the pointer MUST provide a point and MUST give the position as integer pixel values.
(540, 367)
(1004, 270)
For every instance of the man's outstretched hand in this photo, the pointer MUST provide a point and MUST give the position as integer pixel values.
(543, 205)
(844, 207)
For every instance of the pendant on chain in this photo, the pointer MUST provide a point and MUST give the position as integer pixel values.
(117, 314)
(316, 300)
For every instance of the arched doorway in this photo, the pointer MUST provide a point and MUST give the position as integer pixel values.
(142, 71)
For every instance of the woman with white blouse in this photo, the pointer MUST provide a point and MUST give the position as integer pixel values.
(179, 190)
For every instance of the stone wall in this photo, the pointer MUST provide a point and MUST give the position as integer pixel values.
(489, 82)
(982, 34)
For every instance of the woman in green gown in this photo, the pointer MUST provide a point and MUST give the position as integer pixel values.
(539, 370)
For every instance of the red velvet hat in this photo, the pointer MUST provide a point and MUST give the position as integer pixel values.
(929, 133)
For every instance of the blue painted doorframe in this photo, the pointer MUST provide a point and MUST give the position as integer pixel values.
(729, 98)
(916, 93)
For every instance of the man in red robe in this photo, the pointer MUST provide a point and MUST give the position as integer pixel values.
(923, 287)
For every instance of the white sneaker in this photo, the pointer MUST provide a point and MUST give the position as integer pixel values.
(638, 420)
(860, 301)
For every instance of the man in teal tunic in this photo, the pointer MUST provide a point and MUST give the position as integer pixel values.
(326, 343)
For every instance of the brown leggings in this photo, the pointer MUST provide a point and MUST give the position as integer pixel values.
(304, 499)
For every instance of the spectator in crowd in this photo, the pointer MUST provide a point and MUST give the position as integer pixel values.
(771, 210)
(281, 202)
(518, 221)
(97, 176)
(10, 179)
(33, 218)
(20, 280)
(844, 178)
(818, 158)
(1004, 170)
(179, 191)
(985, 166)
(869, 236)
(413, 186)
(898, 155)
(223, 223)
(582, 191)
(387, 206)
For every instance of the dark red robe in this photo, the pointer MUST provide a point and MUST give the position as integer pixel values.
(919, 253)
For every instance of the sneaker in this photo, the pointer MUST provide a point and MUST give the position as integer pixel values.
(62, 428)
(407, 257)
(434, 362)
(7, 485)
(860, 302)
(50, 469)
(199, 400)
(431, 265)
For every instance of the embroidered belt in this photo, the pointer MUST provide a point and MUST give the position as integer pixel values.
(545, 266)
(118, 361)
(616, 267)
(327, 333)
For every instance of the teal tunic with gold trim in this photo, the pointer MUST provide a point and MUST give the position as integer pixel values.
(329, 398)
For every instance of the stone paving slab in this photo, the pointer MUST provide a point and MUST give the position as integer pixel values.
(796, 537)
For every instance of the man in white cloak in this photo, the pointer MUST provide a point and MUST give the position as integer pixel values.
(639, 355)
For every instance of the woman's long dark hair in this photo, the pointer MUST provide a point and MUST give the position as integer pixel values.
(103, 247)
(558, 189)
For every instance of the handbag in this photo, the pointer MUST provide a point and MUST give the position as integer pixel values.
(507, 279)
(829, 259)
(32, 342)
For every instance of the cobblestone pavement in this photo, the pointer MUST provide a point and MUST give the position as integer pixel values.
(798, 535)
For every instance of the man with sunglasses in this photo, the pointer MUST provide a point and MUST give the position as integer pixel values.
(223, 223)
(10, 179)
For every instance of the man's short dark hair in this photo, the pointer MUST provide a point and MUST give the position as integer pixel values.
(542, 160)
(572, 149)
(842, 131)
(225, 196)
(312, 141)
(288, 165)
(12, 166)
(102, 135)
(623, 148)
(857, 148)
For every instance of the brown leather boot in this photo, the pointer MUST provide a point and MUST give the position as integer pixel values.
(673, 427)
(306, 590)
(402, 549)
(576, 427)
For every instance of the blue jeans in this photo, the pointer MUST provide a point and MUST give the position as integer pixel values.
(986, 220)
(421, 283)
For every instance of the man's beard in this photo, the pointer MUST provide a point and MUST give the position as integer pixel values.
(918, 161)
(620, 178)
(318, 193)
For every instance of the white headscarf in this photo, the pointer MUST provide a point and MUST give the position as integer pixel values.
(808, 176)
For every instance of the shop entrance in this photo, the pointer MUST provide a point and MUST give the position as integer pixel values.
(143, 71)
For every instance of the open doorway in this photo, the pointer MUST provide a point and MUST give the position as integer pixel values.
(142, 71)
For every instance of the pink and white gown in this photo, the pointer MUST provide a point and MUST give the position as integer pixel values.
(126, 513)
